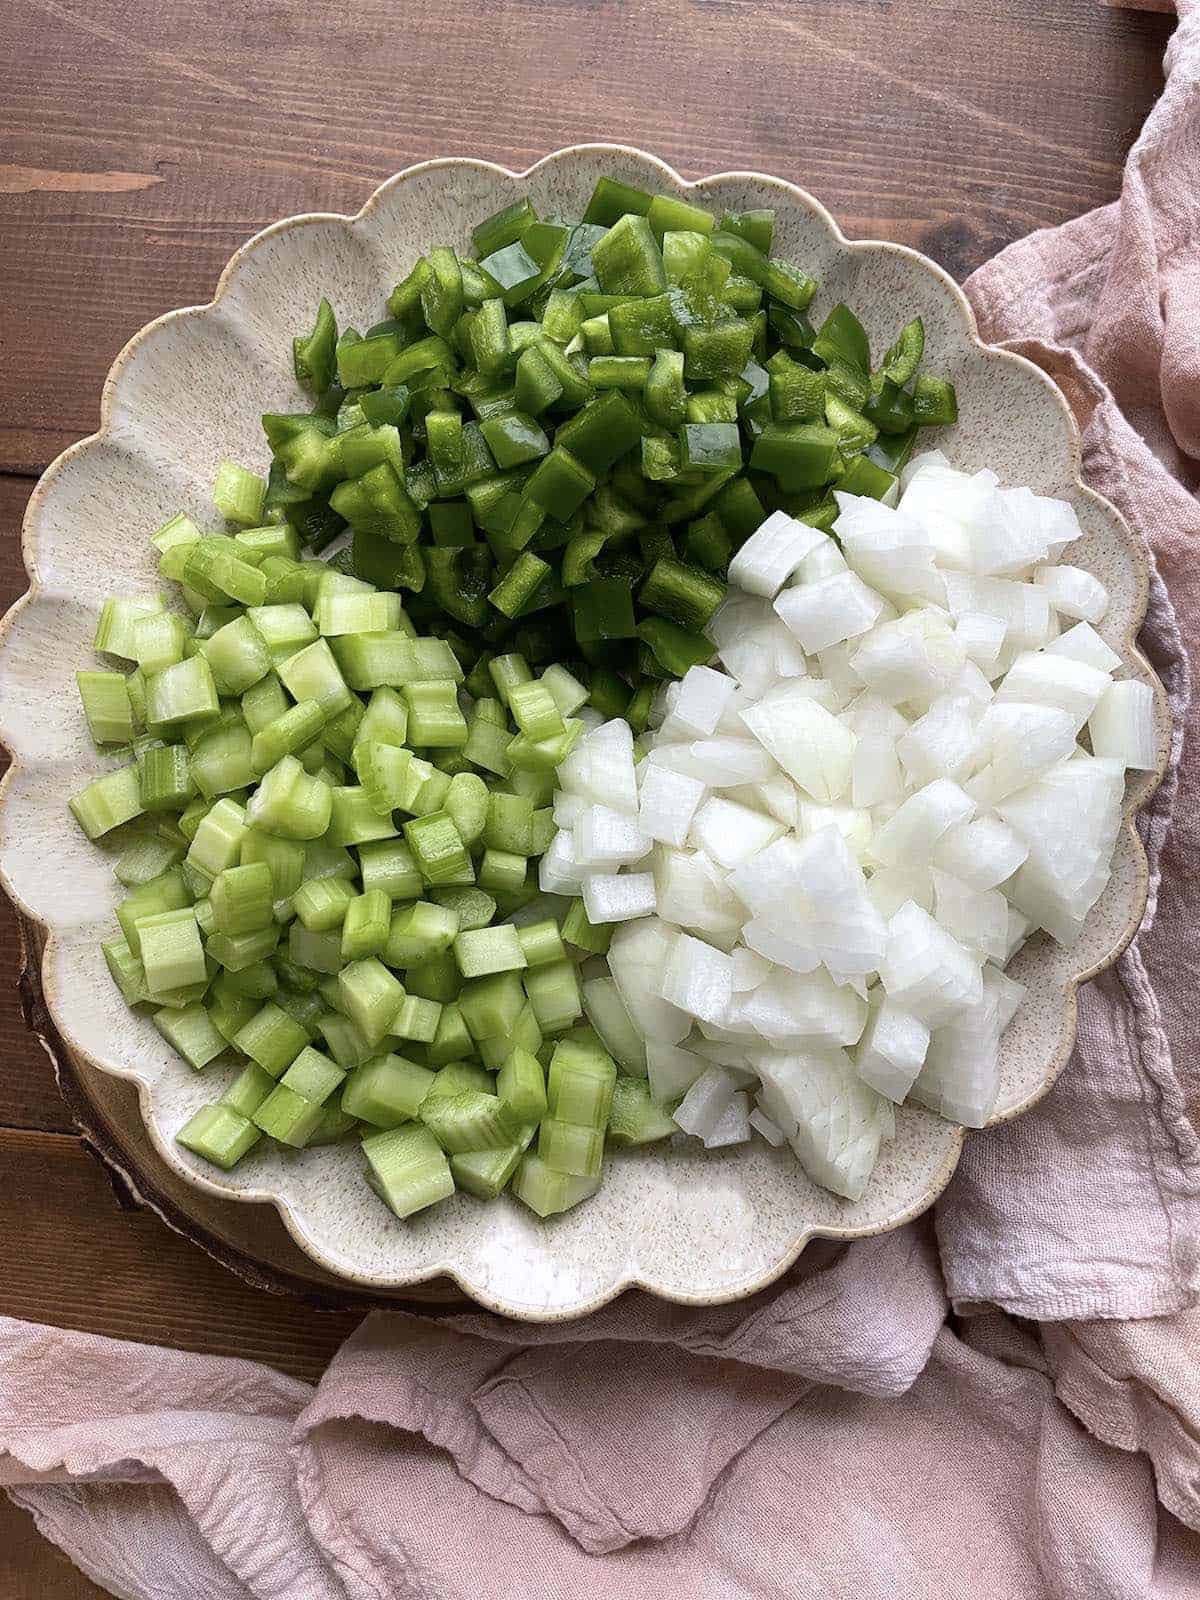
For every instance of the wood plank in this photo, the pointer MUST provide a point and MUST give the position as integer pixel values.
(31, 1566)
(86, 1263)
(29, 1097)
(143, 143)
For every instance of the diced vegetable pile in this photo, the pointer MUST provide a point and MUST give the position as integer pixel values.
(530, 485)
(836, 843)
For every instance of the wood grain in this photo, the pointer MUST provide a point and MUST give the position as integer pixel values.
(30, 1567)
(86, 1263)
(953, 128)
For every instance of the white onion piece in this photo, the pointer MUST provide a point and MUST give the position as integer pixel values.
(558, 870)
(637, 958)
(926, 970)
(697, 979)
(748, 970)
(732, 833)
(981, 636)
(701, 701)
(891, 1050)
(831, 1118)
(694, 893)
(606, 838)
(772, 553)
(982, 853)
(730, 761)
(832, 609)
(912, 833)
(607, 1013)
(671, 1071)
(1122, 725)
(733, 1126)
(808, 742)
(1057, 681)
(618, 897)
(705, 1103)
(1073, 592)
(761, 1123)
(941, 744)
(667, 803)
(1083, 643)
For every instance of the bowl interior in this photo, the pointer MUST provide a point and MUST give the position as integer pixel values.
(188, 393)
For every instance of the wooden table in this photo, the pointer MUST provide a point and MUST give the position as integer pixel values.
(141, 143)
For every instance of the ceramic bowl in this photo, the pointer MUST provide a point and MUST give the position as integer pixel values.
(185, 393)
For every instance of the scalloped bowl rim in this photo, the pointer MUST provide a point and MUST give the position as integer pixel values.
(1136, 795)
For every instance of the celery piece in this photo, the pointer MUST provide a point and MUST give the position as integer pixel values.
(230, 1011)
(288, 1117)
(237, 655)
(485, 1173)
(469, 1120)
(271, 1038)
(521, 1085)
(389, 864)
(171, 953)
(474, 907)
(313, 1075)
(146, 857)
(259, 980)
(290, 803)
(283, 627)
(236, 951)
(578, 931)
(248, 1090)
(566, 690)
(438, 850)
(284, 858)
(580, 1084)
(571, 1148)
(167, 892)
(541, 943)
(416, 1019)
(354, 820)
(419, 932)
(335, 1124)
(314, 674)
(242, 898)
(365, 929)
(181, 693)
(436, 979)
(490, 1006)
(385, 720)
(221, 761)
(466, 803)
(434, 719)
(238, 494)
(262, 703)
(387, 1091)
(370, 996)
(191, 1033)
(455, 1077)
(524, 1035)
(321, 903)
(547, 1192)
(553, 992)
(407, 1168)
(509, 824)
(346, 1044)
(501, 872)
(481, 951)
(219, 1134)
(452, 1041)
(107, 802)
(118, 621)
(634, 1118)
(106, 705)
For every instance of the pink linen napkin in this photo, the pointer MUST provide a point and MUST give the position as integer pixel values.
(834, 1435)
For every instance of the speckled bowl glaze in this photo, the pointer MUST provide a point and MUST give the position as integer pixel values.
(186, 392)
